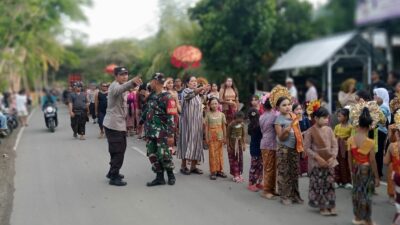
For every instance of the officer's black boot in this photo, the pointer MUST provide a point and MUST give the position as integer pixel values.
(171, 177)
(158, 181)
(117, 182)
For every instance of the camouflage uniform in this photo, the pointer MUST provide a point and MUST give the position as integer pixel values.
(159, 125)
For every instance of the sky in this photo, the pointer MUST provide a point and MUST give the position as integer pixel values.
(113, 19)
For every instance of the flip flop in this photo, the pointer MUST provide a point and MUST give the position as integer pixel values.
(185, 171)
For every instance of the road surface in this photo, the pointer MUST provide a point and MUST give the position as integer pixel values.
(61, 181)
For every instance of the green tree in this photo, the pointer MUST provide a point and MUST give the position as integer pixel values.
(236, 37)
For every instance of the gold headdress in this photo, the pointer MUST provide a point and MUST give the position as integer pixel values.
(395, 103)
(202, 81)
(397, 119)
(278, 92)
(374, 110)
(313, 106)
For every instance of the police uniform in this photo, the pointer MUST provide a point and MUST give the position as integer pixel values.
(159, 126)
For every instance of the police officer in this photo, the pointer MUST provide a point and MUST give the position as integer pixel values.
(159, 130)
(78, 109)
(114, 122)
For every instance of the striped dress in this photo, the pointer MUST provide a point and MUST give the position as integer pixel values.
(190, 144)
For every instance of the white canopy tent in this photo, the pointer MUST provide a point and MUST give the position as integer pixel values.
(328, 51)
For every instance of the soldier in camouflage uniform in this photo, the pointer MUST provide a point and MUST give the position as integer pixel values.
(159, 129)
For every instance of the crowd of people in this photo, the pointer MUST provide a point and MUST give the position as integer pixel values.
(287, 139)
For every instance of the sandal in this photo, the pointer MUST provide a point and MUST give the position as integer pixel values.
(185, 171)
(324, 212)
(333, 212)
(221, 174)
(268, 196)
(213, 177)
(196, 171)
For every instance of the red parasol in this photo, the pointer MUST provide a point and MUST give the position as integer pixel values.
(186, 56)
(110, 69)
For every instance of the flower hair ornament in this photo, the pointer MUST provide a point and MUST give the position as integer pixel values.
(374, 110)
(313, 106)
(276, 93)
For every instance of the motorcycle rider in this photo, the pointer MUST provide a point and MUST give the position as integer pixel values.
(49, 100)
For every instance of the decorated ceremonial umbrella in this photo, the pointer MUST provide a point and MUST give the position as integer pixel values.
(186, 56)
(110, 69)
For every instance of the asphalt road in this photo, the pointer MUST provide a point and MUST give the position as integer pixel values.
(61, 181)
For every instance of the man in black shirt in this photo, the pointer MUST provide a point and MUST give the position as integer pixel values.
(78, 110)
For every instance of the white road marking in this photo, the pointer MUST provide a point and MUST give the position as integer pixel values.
(21, 131)
(140, 151)
(145, 155)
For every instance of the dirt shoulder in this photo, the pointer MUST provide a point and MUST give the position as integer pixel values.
(7, 172)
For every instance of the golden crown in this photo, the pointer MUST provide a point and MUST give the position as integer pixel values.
(374, 110)
(277, 92)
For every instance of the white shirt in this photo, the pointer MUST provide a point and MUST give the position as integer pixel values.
(20, 101)
(293, 92)
(311, 94)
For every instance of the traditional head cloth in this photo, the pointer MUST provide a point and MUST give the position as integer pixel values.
(278, 92)
(383, 94)
(374, 110)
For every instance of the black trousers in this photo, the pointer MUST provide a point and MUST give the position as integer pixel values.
(78, 123)
(92, 110)
(116, 147)
(380, 154)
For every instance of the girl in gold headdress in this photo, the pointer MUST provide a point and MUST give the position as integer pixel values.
(290, 143)
(361, 154)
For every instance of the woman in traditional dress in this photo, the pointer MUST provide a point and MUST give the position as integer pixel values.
(169, 87)
(215, 126)
(347, 95)
(321, 146)
(229, 98)
(131, 100)
(290, 144)
(190, 144)
(361, 154)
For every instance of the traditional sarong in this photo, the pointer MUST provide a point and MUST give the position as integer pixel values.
(321, 190)
(390, 184)
(256, 170)
(396, 182)
(303, 163)
(216, 158)
(269, 164)
(342, 171)
(235, 156)
(288, 176)
(363, 189)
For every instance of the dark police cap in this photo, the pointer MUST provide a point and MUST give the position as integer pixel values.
(120, 70)
(159, 77)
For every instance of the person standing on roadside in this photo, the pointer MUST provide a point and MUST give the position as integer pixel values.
(78, 110)
(101, 106)
(21, 104)
(115, 124)
(91, 93)
(160, 130)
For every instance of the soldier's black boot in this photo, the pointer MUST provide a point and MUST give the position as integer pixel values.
(158, 181)
(171, 177)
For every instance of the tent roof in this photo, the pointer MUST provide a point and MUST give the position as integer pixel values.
(312, 53)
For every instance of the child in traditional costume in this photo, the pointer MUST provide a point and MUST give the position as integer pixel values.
(290, 144)
(305, 124)
(215, 126)
(394, 108)
(392, 157)
(268, 150)
(256, 165)
(321, 146)
(342, 132)
(361, 153)
(236, 146)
